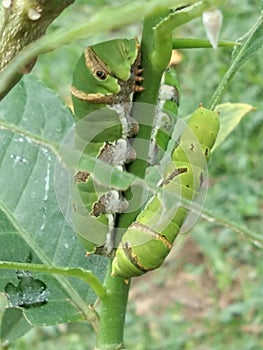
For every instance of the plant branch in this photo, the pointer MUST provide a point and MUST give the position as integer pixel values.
(23, 23)
(200, 43)
(112, 313)
(256, 238)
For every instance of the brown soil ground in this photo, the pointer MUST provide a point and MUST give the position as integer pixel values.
(172, 283)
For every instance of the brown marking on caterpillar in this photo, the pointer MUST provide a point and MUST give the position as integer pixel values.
(81, 176)
(155, 235)
(95, 64)
(201, 178)
(93, 98)
(174, 173)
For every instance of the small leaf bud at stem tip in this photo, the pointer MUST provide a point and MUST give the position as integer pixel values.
(212, 21)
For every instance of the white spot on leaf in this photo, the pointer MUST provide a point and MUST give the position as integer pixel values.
(18, 159)
(29, 140)
(47, 177)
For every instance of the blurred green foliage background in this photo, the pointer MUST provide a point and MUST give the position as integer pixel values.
(209, 293)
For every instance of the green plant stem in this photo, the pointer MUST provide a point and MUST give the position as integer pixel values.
(200, 43)
(223, 85)
(112, 313)
(256, 238)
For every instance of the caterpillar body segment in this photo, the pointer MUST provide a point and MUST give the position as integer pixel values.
(104, 81)
(149, 239)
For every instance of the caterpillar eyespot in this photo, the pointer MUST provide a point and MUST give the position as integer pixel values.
(101, 75)
(147, 242)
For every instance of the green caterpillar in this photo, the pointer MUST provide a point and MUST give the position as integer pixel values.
(107, 74)
(149, 239)
(103, 80)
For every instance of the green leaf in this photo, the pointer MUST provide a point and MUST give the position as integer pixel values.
(251, 42)
(28, 292)
(31, 221)
(230, 116)
(14, 325)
